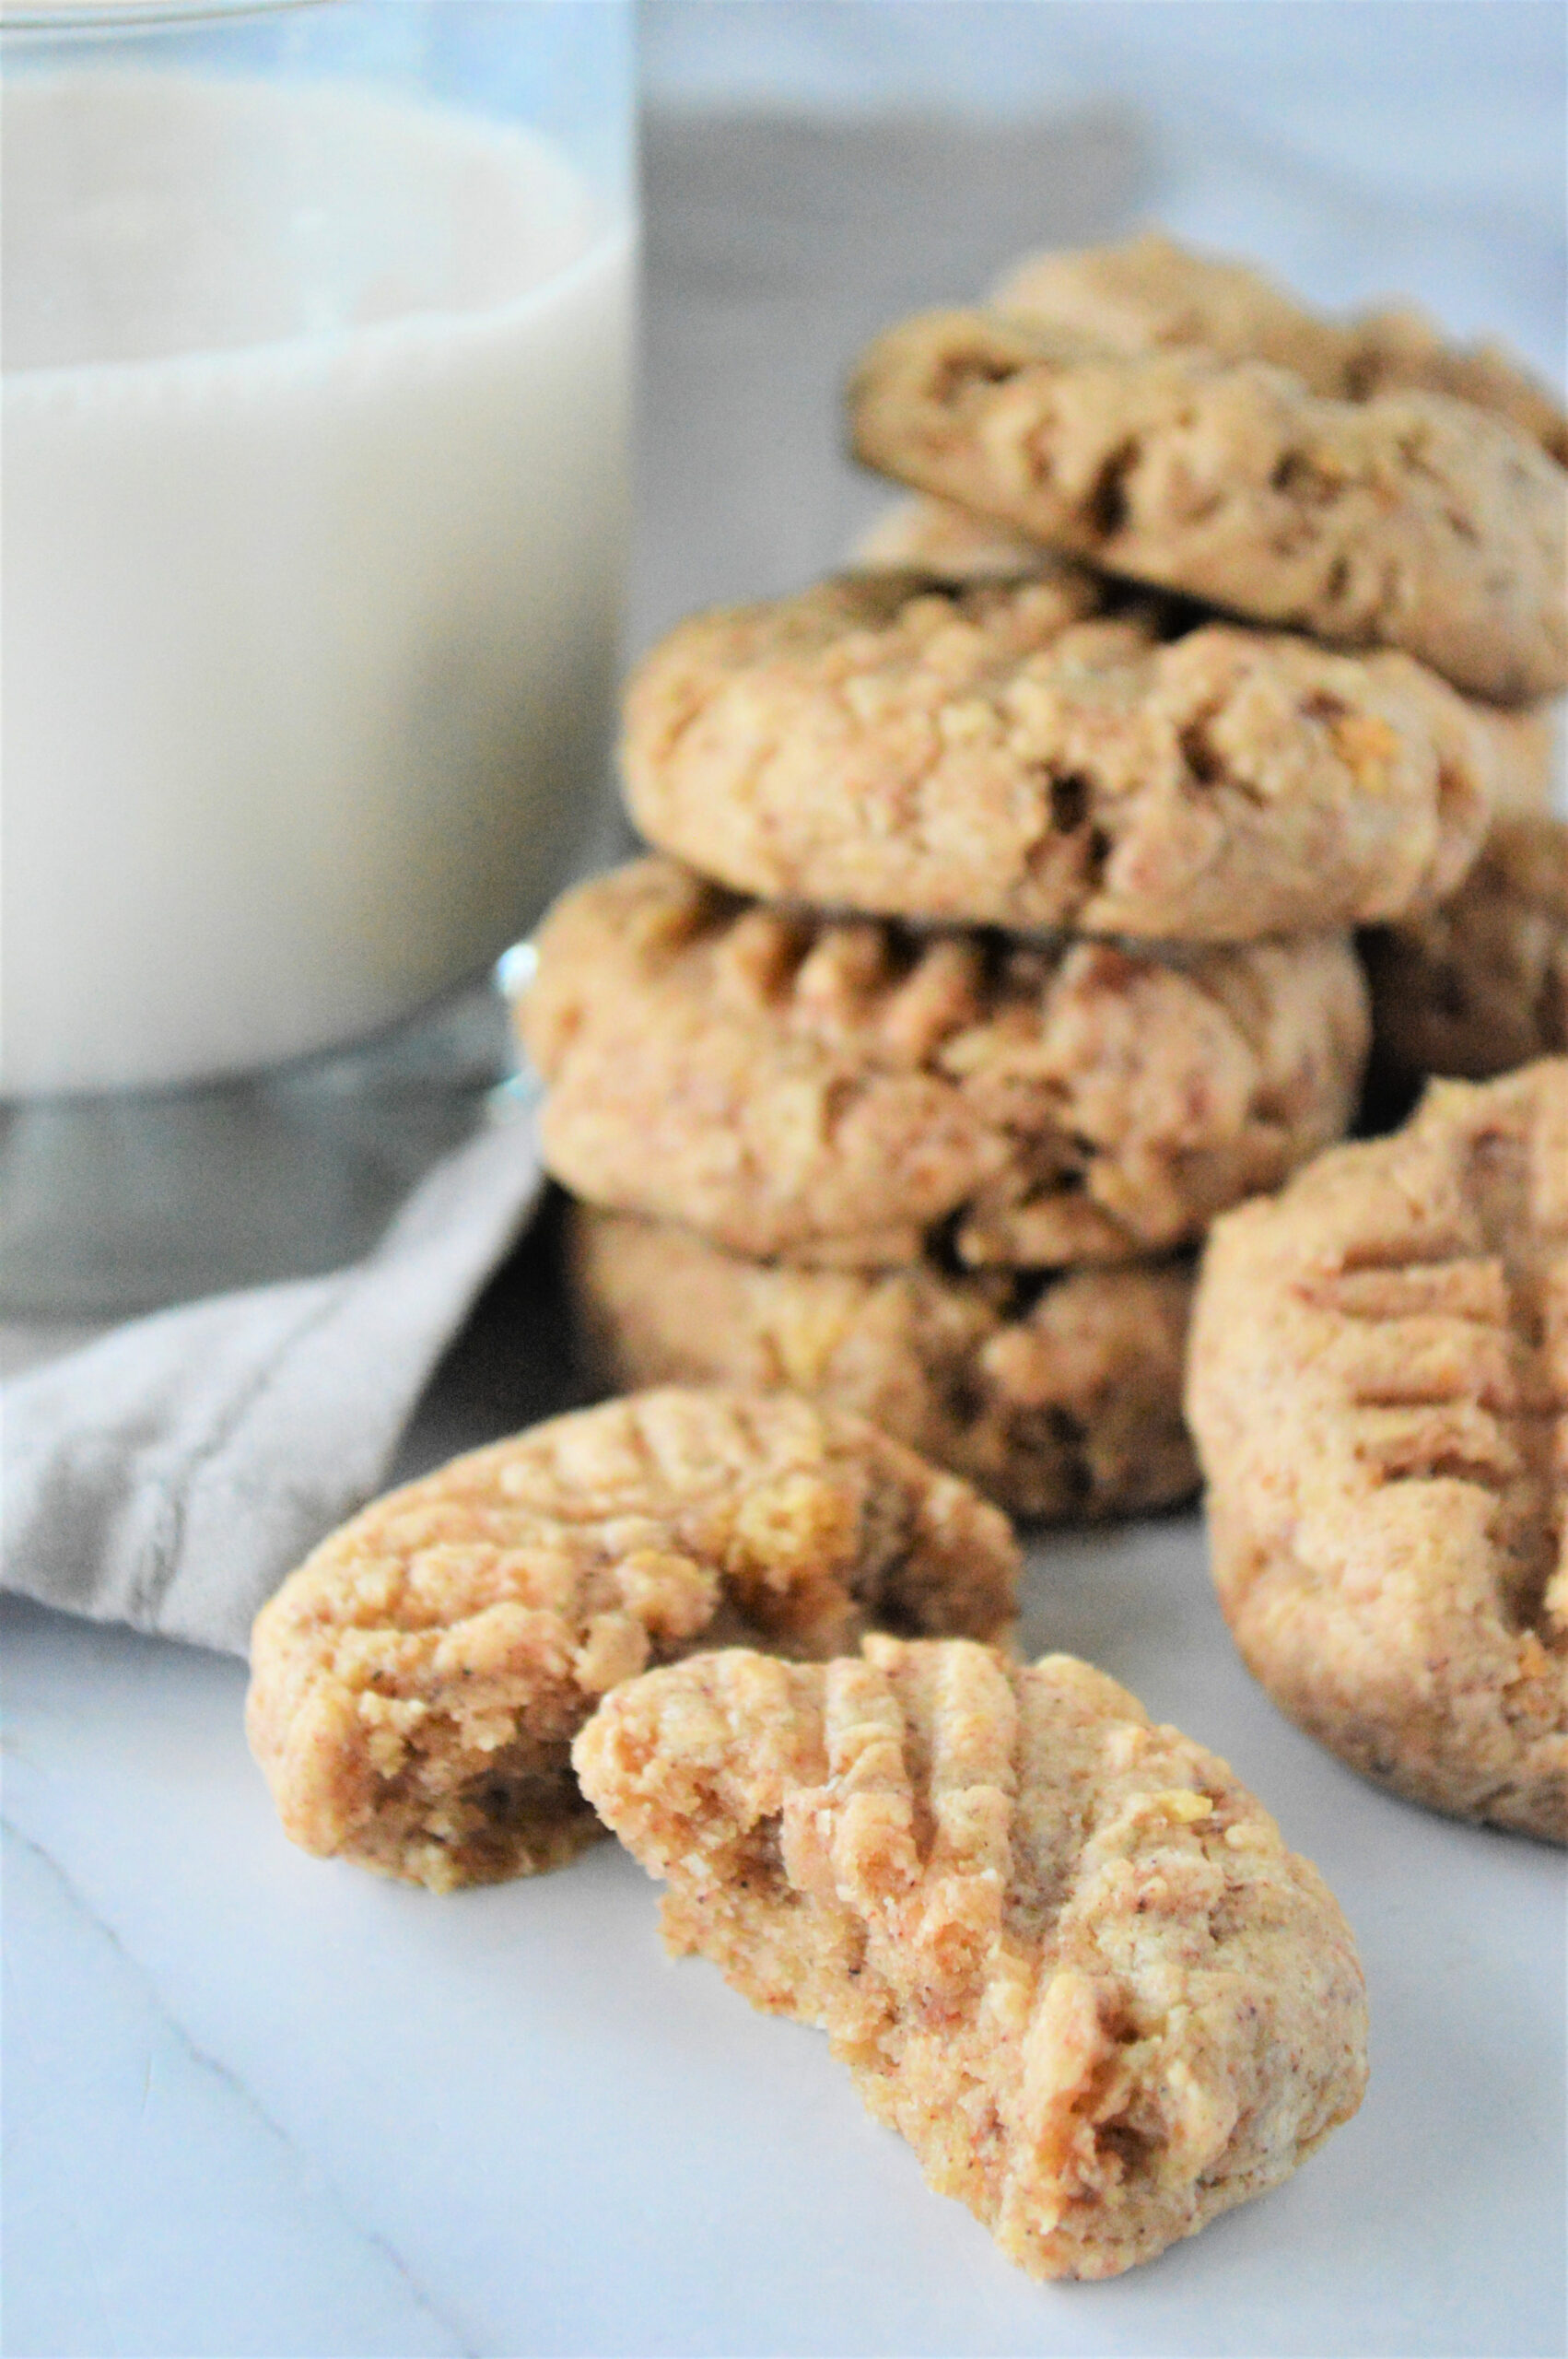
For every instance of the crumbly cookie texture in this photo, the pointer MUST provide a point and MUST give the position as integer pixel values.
(844, 1092)
(1060, 1400)
(1479, 985)
(1020, 754)
(1152, 294)
(1379, 1393)
(1061, 1950)
(416, 1685)
(919, 534)
(1407, 520)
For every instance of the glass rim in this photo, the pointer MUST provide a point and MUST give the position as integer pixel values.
(58, 17)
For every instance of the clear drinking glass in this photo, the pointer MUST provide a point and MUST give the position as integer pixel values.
(316, 328)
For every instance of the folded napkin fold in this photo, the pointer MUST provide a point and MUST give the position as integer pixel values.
(169, 1475)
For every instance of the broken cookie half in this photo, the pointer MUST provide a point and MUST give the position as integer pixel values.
(416, 1684)
(1060, 1949)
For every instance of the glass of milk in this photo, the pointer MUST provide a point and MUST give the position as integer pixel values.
(316, 322)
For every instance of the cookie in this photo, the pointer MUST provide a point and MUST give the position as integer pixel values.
(919, 534)
(1379, 1393)
(1052, 753)
(415, 1685)
(1479, 985)
(1061, 1950)
(1060, 1400)
(1401, 350)
(1152, 294)
(1409, 520)
(1527, 759)
(847, 1092)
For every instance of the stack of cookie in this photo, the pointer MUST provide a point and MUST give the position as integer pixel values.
(1002, 933)
(1345, 507)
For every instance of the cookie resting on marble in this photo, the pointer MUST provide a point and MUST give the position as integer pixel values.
(416, 1684)
(1061, 1951)
(1378, 1389)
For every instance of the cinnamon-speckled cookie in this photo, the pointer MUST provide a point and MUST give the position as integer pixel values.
(1407, 519)
(1379, 1393)
(1480, 984)
(1151, 294)
(1063, 1952)
(1053, 753)
(1059, 1398)
(416, 1685)
(848, 1092)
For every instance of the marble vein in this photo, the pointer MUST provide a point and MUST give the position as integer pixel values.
(460, 2344)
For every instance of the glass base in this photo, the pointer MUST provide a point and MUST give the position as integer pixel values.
(117, 1205)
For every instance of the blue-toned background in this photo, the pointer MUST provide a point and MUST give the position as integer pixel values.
(1356, 144)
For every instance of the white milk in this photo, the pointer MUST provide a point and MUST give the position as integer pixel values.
(312, 548)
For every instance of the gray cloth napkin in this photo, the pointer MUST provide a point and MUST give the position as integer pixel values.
(170, 1474)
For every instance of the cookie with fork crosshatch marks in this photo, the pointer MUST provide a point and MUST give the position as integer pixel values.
(1062, 1951)
(1378, 1389)
(416, 1684)
(844, 1092)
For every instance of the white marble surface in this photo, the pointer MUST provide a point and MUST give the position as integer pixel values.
(257, 2103)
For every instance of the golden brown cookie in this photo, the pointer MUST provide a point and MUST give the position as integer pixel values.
(844, 1092)
(1480, 984)
(919, 534)
(1407, 519)
(415, 1685)
(1052, 753)
(1379, 1393)
(1151, 294)
(1527, 757)
(1061, 1951)
(1401, 350)
(1058, 1399)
